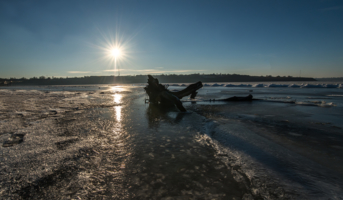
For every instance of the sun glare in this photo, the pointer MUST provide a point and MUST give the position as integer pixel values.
(115, 52)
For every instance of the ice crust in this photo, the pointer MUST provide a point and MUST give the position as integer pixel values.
(272, 85)
(277, 85)
(253, 154)
(258, 85)
(316, 103)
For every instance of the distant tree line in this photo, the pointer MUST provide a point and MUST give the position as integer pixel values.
(163, 78)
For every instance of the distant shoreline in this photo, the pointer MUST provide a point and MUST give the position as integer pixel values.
(143, 78)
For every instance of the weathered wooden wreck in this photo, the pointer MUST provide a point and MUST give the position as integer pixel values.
(159, 93)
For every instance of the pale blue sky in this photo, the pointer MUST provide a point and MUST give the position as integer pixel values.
(69, 38)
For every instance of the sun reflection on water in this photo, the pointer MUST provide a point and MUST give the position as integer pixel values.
(117, 98)
(117, 88)
(118, 113)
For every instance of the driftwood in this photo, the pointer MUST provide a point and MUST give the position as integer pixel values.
(159, 93)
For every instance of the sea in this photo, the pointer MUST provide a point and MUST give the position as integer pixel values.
(108, 142)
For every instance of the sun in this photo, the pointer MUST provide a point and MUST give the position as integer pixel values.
(115, 52)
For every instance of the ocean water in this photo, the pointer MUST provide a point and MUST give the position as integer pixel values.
(103, 141)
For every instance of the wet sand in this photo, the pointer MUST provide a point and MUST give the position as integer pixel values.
(109, 144)
(105, 145)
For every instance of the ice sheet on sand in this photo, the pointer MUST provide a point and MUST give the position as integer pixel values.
(265, 163)
(312, 86)
(315, 103)
(258, 85)
(217, 85)
(271, 85)
(331, 85)
(277, 85)
(287, 97)
(294, 86)
(335, 95)
(238, 85)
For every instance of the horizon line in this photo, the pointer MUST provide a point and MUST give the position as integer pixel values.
(162, 74)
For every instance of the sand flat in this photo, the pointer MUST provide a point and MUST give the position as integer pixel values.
(109, 144)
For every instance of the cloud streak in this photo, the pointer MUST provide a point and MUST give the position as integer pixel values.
(79, 72)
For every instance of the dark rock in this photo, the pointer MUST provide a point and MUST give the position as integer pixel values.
(14, 140)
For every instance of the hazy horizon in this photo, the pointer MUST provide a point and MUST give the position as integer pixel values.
(77, 38)
(166, 74)
(158, 74)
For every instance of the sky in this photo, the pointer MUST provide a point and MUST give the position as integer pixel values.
(74, 38)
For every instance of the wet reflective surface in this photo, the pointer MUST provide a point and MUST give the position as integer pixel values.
(108, 144)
